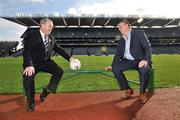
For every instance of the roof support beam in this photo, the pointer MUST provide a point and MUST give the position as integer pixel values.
(92, 24)
(35, 21)
(65, 23)
(135, 21)
(107, 22)
(20, 22)
(169, 22)
(147, 22)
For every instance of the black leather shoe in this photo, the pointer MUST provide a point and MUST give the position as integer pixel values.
(30, 107)
(44, 94)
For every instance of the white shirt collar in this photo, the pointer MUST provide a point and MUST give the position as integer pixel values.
(129, 33)
(42, 35)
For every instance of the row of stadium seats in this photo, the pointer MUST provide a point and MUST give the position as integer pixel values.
(89, 41)
(7, 48)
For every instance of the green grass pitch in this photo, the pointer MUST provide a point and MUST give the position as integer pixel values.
(167, 74)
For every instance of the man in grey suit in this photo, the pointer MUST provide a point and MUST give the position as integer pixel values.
(133, 52)
(38, 47)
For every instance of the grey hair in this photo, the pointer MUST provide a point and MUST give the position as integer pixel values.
(44, 20)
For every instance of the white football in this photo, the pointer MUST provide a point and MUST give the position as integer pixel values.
(75, 64)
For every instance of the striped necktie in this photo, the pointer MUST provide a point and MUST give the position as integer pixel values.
(46, 41)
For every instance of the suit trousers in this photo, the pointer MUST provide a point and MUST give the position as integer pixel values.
(123, 65)
(49, 67)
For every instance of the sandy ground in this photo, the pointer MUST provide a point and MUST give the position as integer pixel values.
(108, 105)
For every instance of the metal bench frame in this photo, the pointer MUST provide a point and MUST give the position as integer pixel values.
(151, 85)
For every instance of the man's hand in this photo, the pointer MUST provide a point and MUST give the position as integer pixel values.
(29, 71)
(108, 68)
(72, 59)
(143, 63)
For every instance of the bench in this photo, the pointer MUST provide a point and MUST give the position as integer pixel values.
(109, 74)
(106, 73)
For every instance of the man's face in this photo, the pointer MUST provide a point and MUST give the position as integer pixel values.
(47, 27)
(123, 27)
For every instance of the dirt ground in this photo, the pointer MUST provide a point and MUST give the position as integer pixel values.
(107, 105)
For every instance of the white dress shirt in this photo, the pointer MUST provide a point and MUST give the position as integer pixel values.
(127, 54)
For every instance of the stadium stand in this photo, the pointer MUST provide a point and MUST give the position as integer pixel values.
(17, 53)
(99, 35)
(7, 48)
(163, 40)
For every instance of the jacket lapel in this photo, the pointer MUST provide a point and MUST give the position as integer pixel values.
(122, 46)
(131, 40)
(40, 40)
(51, 43)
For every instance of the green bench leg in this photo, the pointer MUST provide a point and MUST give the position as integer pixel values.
(151, 82)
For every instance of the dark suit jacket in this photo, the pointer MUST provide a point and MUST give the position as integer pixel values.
(140, 47)
(34, 50)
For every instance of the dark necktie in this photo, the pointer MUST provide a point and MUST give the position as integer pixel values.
(46, 41)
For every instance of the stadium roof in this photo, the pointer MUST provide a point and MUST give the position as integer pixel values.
(81, 21)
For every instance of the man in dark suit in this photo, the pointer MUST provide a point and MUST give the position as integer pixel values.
(38, 47)
(133, 52)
